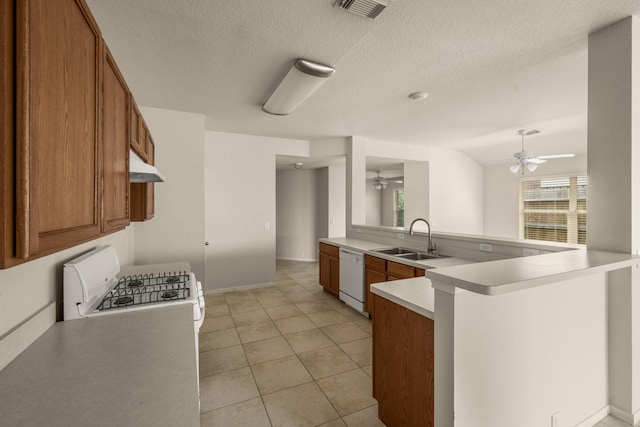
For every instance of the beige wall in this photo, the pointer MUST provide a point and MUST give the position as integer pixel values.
(27, 288)
(240, 207)
(176, 233)
(301, 213)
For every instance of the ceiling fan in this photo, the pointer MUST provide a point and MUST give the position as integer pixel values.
(525, 159)
(379, 183)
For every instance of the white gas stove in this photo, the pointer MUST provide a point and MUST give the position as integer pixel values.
(94, 285)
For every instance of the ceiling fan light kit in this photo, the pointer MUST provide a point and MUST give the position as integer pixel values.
(524, 159)
(379, 183)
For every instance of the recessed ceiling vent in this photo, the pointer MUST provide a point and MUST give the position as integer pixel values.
(367, 8)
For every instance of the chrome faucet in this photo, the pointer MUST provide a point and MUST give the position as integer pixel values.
(431, 247)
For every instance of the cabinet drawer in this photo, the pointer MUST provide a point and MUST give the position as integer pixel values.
(375, 263)
(400, 271)
(330, 250)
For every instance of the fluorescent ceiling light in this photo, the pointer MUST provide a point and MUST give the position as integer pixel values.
(304, 78)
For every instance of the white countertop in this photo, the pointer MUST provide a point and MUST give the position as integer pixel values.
(366, 246)
(416, 294)
(497, 277)
(129, 369)
(508, 275)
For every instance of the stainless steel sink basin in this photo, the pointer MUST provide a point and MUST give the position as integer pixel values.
(417, 256)
(406, 253)
(395, 251)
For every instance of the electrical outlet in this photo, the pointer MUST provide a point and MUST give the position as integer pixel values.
(401, 236)
(555, 420)
(267, 226)
(530, 251)
(486, 247)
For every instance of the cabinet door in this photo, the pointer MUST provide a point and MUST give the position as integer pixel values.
(335, 275)
(325, 271)
(371, 277)
(143, 195)
(115, 133)
(58, 143)
(403, 365)
(136, 132)
(7, 133)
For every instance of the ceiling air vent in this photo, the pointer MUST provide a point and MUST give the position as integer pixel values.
(367, 8)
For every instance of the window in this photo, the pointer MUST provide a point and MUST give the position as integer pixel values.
(398, 208)
(554, 209)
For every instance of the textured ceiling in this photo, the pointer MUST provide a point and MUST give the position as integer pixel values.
(490, 67)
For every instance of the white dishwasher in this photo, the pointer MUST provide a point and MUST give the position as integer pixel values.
(352, 279)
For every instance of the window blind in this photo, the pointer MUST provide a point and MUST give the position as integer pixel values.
(554, 209)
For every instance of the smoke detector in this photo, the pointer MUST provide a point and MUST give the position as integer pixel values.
(367, 8)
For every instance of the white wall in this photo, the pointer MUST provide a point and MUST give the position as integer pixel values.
(388, 203)
(240, 200)
(417, 185)
(549, 356)
(176, 233)
(501, 192)
(455, 192)
(373, 208)
(301, 213)
(27, 288)
(337, 199)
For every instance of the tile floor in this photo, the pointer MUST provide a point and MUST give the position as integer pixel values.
(285, 355)
(289, 355)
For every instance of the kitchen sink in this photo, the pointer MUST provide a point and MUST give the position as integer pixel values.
(411, 254)
(417, 256)
(395, 251)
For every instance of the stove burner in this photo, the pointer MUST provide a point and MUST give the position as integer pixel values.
(172, 279)
(170, 294)
(123, 301)
(135, 283)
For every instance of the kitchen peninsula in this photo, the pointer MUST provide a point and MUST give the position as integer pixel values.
(515, 340)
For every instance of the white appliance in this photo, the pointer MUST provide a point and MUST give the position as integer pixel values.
(352, 279)
(93, 285)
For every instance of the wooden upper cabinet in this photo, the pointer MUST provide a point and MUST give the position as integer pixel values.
(115, 133)
(58, 142)
(139, 132)
(7, 133)
(142, 194)
(66, 128)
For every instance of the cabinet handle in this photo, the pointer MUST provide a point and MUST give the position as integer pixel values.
(206, 243)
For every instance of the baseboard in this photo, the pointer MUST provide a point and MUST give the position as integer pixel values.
(239, 288)
(625, 416)
(17, 340)
(597, 416)
(297, 259)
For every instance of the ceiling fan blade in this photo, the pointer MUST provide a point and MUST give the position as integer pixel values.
(557, 156)
(536, 160)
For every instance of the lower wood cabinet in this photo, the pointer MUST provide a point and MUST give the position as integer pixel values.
(330, 268)
(378, 270)
(403, 365)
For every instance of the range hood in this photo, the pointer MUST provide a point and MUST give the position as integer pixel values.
(139, 171)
